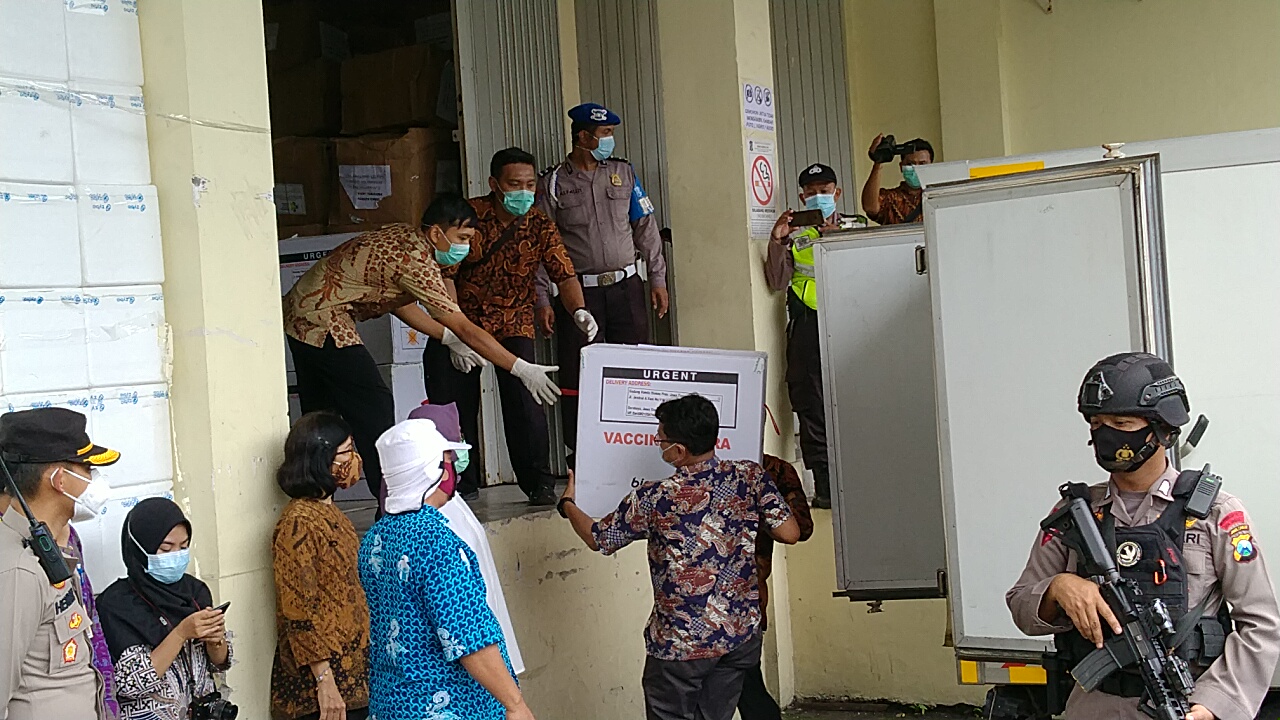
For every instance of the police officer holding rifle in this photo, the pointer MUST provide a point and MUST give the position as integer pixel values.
(1179, 571)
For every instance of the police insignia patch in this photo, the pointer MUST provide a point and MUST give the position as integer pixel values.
(1128, 554)
(69, 652)
(1191, 522)
(616, 179)
(75, 622)
(1242, 548)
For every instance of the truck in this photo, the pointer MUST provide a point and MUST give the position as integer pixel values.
(953, 349)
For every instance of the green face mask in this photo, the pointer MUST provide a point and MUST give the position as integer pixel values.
(909, 174)
(462, 458)
(517, 202)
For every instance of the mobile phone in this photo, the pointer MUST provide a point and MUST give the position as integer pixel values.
(223, 607)
(807, 218)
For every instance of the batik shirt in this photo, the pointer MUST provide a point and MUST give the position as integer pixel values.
(701, 529)
(365, 277)
(101, 653)
(898, 205)
(427, 610)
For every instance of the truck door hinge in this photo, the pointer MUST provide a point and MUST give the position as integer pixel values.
(942, 582)
(922, 266)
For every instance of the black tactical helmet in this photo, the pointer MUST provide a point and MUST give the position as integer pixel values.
(1138, 384)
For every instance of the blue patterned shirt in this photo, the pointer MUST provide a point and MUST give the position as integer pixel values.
(427, 610)
(701, 526)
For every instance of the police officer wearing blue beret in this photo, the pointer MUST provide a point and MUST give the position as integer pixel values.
(606, 222)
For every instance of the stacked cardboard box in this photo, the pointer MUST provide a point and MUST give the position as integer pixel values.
(387, 178)
(304, 173)
(403, 87)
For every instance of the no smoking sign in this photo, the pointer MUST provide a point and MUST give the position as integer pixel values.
(762, 180)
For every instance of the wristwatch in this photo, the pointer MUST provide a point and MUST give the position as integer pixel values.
(560, 506)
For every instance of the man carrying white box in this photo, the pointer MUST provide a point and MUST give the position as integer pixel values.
(385, 271)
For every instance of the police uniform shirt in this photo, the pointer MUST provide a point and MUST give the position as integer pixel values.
(46, 660)
(604, 217)
(1222, 557)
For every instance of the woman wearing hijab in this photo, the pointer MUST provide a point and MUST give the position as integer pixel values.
(322, 622)
(436, 650)
(166, 639)
(466, 525)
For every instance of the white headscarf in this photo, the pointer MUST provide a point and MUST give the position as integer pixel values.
(412, 454)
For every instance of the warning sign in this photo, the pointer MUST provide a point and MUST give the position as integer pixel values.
(762, 187)
(757, 107)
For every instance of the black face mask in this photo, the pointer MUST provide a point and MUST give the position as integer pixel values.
(1121, 451)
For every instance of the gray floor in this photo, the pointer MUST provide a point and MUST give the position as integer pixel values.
(500, 502)
(879, 714)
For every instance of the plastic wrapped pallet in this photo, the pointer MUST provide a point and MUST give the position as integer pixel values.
(33, 40)
(109, 130)
(36, 143)
(103, 42)
(120, 234)
(43, 346)
(39, 236)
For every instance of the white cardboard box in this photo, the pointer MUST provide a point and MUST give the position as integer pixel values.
(125, 328)
(33, 40)
(43, 346)
(622, 385)
(109, 135)
(77, 400)
(39, 236)
(103, 556)
(135, 421)
(408, 387)
(119, 234)
(36, 143)
(103, 41)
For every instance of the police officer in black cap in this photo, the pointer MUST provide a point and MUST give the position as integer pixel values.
(46, 660)
(1199, 557)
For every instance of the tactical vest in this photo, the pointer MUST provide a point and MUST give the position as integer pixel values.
(803, 278)
(1151, 556)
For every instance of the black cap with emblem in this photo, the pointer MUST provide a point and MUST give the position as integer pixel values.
(817, 173)
(1138, 384)
(50, 435)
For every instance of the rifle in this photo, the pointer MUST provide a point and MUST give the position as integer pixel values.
(1148, 628)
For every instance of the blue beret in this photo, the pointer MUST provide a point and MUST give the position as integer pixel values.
(595, 114)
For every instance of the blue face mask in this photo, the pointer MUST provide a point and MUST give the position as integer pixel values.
(167, 568)
(517, 202)
(461, 459)
(605, 150)
(456, 253)
(825, 203)
(909, 174)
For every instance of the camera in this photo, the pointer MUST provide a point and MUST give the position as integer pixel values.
(213, 707)
(888, 149)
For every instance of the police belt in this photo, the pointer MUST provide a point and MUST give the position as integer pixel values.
(609, 278)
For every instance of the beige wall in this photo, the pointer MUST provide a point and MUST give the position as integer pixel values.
(205, 61)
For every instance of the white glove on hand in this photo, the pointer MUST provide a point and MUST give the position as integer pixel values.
(586, 323)
(464, 358)
(535, 378)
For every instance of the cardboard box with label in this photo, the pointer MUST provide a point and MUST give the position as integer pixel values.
(304, 172)
(306, 99)
(622, 385)
(397, 88)
(385, 178)
(299, 31)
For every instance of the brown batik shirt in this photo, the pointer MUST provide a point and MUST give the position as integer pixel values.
(321, 612)
(366, 277)
(898, 205)
(497, 292)
(788, 481)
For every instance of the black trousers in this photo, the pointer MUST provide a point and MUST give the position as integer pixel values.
(756, 703)
(698, 689)
(347, 381)
(523, 418)
(804, 387)
(622, 312)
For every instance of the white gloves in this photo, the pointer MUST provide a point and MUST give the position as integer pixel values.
(586, 323)
(464, 358)
(535, 378)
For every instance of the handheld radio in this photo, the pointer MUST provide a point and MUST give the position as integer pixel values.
(42, 542)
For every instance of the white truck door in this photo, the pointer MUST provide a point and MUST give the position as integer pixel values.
(1034, 277)
(876, 336)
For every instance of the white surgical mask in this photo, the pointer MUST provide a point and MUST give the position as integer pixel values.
(92, 500)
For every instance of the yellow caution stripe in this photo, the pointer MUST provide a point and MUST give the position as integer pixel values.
(1009, 169)
(973, 672)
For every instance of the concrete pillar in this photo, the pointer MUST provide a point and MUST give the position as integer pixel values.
(971, 78)
(708, 48)
(206, 93)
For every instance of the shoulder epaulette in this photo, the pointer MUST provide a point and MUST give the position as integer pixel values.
(549, 170)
